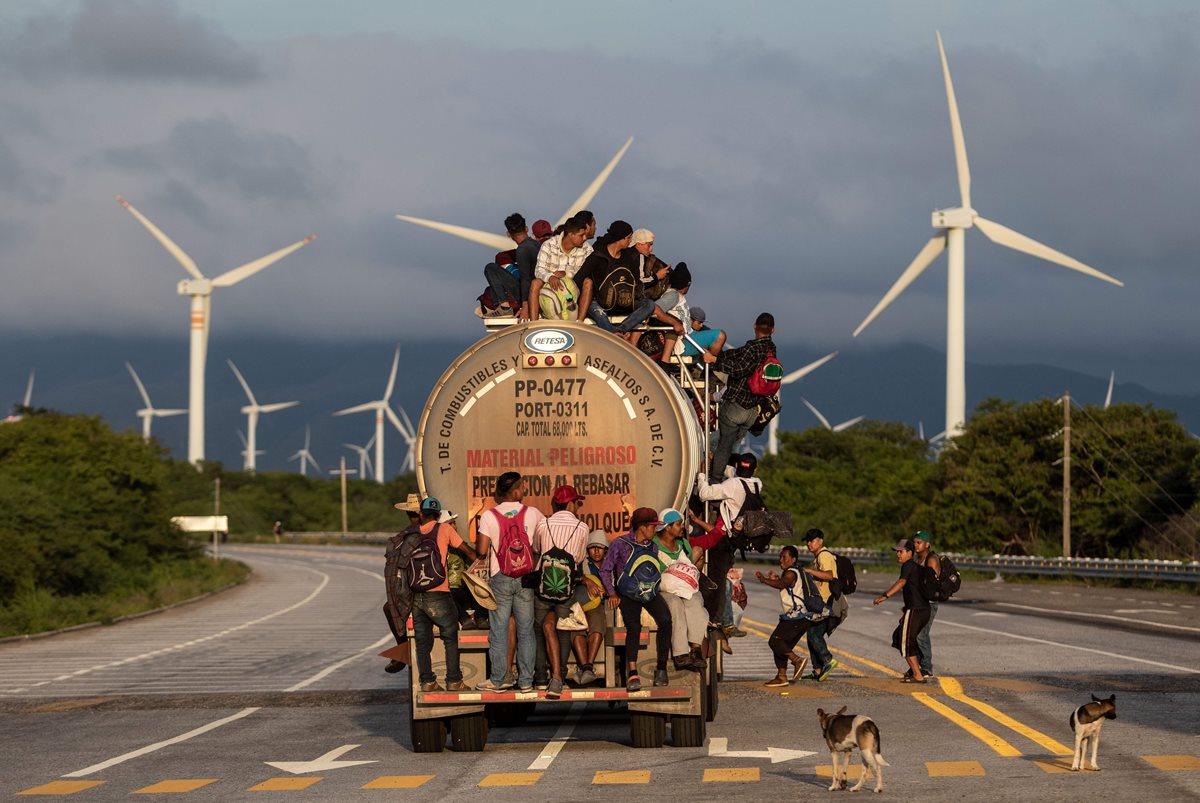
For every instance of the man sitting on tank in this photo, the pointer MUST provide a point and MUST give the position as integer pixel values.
(711, 340)
(553, 292)
(609, 281)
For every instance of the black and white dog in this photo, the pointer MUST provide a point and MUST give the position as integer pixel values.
(843, 732)
(1085, 724)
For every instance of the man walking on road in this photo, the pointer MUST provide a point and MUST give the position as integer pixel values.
(925, 556)
(916, 610)
(789, 631)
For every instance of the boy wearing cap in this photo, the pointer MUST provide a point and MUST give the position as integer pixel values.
(718, 558)
(436, 607)
(590, 596)
(711, 340)
(681, 589)
(563, 531)
(916, 610)
(641, 531)
(924, 556)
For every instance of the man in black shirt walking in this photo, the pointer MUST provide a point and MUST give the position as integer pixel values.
(739, 406)
(916, 610)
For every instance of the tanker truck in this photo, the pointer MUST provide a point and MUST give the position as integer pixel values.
(562, 402)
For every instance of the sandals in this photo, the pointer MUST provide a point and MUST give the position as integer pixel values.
(911, 679)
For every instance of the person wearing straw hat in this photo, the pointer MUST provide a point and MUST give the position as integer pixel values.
(399, 597)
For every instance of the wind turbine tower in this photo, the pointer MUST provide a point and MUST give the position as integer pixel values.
(952, 225)
(200, 288)
(800, 373)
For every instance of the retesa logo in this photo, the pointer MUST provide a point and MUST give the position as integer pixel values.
(549, 341)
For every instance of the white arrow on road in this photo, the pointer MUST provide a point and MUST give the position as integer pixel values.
(719, 748)
(324, 763)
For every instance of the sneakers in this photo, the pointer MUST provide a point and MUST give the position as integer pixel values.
(554, 689)
(660, 677)
(528, 687)
(457, 685)
(798, 668)
(833, 664)
(394, 666)
(586, 677)
(541, 684)
(488, 685)
(509, 680)
(633, 684)
(776, 682)
(432, 686)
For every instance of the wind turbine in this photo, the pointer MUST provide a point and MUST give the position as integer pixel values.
(409, 433)
(953, 224)
(381, 407)
(25, 403)
(825, 421)
(304, 455)
(252, 411)
(247, 452)
(364, 461)
(200, 289)
(1112, 376)
(773, 427)
(149, 412)
(503, 243)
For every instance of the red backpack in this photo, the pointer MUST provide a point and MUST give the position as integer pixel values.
(767, 377)
(514, 553)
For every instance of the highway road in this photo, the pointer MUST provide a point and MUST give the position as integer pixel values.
(202, 701)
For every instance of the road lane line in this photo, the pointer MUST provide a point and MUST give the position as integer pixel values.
(992, 632)
(1058, 612)
(954, 689)
(184, 645)
(150, 748)
(970, 726)
(847, 655)
(556, 744)
(334, 667)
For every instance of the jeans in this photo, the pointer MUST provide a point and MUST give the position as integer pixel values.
(505, 286)
(732, 425)
(431, 608)
(631, 613)
(818, 653)
(784, 638)
(639, 315)
(511, 599)
(727, 619)
(717, 564)
(924, 646)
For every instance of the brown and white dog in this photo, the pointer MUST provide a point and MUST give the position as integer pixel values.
(1085, 723)
(843, 732)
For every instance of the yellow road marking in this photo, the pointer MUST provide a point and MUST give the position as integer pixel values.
(731, 774)
(60, 788)
(953, 769)
(621, 777)
(849, 669)
(511, 779)
(853, 772)
(1054, 765)
(1173, 762)
(179, 785)
(978, 731)
(867, 662)
(398, 782)
(954, 689)
(285, 784)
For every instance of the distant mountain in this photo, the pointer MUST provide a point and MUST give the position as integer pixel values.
(86, 374)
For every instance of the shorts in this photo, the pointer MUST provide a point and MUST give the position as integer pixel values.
(904, 638)
(542, 607)
(595, 617)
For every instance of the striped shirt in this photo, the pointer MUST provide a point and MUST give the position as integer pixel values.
(565, 531)
(551, 258)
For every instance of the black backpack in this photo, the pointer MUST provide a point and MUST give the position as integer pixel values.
(845, 582)
(615, 292)
(426, 569)
(759, 526)
(940, 589)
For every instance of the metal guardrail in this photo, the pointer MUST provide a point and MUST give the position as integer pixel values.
(1171, 570)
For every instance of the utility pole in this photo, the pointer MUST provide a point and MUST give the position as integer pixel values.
(216, 512)
(1066, 481)
(343, 471)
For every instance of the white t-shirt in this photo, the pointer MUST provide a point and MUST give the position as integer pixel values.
(535, 526)
(731, 494)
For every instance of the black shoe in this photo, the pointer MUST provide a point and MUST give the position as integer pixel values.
(394, 666)
(660, 677)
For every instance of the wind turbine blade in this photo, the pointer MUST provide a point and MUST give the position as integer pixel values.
(166, 413)
(271, 408)
(391, 383)
(930, 252)
(1108, 396)
(940, 436)
(808, 369)
(412, 431)
(359, 408)
(370, 443)
(242, 438)
(497, 241)
(299, 454)
(242, 380)
(250, 268)
(847, 424)
(312, 461)
(960, 147)
(921, 430)
(583, 200)
(29, 390)
(141, 388)
(396, 422)
(166, 242)
(1002, 235)
(307, 436)
(824, 421)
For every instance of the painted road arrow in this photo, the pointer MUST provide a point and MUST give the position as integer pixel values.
(324, 763)
(719, 748)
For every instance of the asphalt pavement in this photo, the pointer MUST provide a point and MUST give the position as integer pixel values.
(234, 696)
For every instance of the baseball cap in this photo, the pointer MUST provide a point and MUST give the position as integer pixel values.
(668, 516)
(430, 504)
(597, 538)
(566, 493)
(921, 535)
(644, 515)
(698, 314)
(643, 236)
(746, 465)
(506, 257)
(542, 229)
(903, 544)
(412, 504)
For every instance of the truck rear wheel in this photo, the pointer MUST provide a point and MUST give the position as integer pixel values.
(428, 735)
(468, 733)
(687, 731)
(646, 729)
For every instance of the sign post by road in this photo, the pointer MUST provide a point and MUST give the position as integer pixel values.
(343, 471)
(203, 524)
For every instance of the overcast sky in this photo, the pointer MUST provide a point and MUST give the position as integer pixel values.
(790, 152)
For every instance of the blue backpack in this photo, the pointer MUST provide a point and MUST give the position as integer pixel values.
(642, 573)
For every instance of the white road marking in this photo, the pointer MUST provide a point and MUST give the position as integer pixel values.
(718, 747)
(556, 744)
(183, 645)
(324, 763)
(1101, 616)
(1154, 611)
(991, 613)
(334, 667)
(1187, 669)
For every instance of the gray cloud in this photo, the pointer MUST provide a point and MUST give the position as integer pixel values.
(28, 183)
(144, 40)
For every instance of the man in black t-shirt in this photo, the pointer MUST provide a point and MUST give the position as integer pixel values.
(612, 256)
(916, 610)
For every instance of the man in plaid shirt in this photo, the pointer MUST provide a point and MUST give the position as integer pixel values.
(558, 260)
(739, 406)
